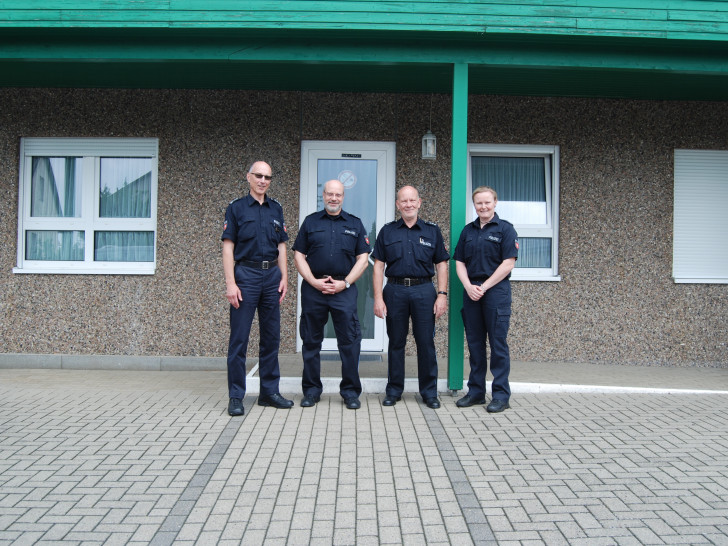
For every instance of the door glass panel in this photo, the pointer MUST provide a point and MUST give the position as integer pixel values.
(359, 177)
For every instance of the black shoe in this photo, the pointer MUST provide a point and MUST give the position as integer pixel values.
(391, 400)
(308, 401)
(274, 400)
(352, 402)
(467, 401)
(433, 402)
(497, 405)
(235, 407)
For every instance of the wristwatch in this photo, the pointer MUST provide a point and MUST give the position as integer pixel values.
(346, 283)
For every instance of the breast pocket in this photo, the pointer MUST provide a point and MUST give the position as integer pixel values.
(470, 247)
(423, 252)
(393, 251)
(247, 229)
(347, 240)
(316, 238)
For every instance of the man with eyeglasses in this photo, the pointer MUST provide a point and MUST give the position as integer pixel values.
(331, 252)
(256, 278)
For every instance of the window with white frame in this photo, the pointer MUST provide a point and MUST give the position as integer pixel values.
(526, 179)
(699, 217)
(87, 205)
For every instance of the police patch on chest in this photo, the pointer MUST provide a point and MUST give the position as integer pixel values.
(425, 243)
(350, 232)
(494, 238)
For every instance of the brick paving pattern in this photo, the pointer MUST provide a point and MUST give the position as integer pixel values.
(124, 457)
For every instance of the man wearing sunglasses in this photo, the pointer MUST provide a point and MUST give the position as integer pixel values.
(256, 278)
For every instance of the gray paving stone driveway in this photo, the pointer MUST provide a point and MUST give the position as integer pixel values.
(129, 457)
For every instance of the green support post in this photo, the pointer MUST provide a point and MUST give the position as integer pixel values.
(458, 204)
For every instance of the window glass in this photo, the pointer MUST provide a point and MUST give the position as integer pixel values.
(54, 245)
(520, 184)
(55, 187)
(126, 187)
(124, 246)
(534, 252)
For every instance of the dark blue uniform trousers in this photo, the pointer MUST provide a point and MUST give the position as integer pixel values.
(487, 317)
(316, 308)
(402, 303)
(260, 291)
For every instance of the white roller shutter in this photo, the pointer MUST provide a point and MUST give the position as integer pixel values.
(700, 230)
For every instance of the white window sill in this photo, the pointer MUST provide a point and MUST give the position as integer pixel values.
(90, 271)
(686, 280)
(535, 278)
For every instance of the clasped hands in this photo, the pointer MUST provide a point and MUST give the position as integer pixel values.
(329, 285)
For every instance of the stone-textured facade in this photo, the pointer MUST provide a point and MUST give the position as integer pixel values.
(616, 301)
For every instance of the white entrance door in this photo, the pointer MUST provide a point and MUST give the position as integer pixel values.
(367, 171)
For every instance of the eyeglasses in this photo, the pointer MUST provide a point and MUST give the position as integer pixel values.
(259, 176)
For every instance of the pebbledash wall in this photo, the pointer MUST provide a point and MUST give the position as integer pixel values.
(616, 301)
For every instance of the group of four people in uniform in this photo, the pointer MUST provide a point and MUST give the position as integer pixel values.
(331, 253)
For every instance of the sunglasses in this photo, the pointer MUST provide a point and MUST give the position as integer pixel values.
(259, 176)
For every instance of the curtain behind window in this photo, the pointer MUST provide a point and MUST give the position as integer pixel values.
(125, 192)
(520, 183)
(55, 187)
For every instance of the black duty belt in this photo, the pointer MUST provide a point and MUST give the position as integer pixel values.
(409, 281)
(335, 277)
(478, 280)
(267, 264)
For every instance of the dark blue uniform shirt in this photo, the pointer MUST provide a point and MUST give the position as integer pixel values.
(256, 229)
(483, 250)
(331, 243)
(410, 252)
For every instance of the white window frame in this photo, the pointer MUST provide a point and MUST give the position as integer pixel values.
(91, 150)
(700, 223)
(550, 229)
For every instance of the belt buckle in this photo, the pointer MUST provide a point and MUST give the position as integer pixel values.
(265, 264)
(407, 281)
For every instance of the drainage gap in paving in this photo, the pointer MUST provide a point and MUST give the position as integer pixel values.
(167, 532)
(480, 531)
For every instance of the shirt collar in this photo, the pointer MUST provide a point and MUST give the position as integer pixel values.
(251, 200)
(494, 220)
(343, 215)
(418, 224)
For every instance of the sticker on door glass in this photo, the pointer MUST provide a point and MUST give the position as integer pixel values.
(348, 179)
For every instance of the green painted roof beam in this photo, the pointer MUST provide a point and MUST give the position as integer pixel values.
(558, 52)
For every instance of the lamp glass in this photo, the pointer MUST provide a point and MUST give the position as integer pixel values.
(429, 146)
